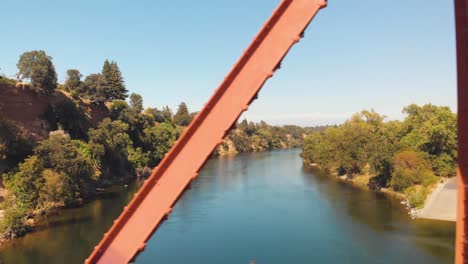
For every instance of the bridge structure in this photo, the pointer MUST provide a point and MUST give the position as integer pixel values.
(152, 204)
(461, 24)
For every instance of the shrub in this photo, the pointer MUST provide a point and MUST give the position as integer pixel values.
(57, 188)
(15, 143)
(429, 179)
(7, 81)
(26, 182)
(138, 158)
(12, 224)
(416, 196)
(409, 168)
(68, 117)
(117, 107)
(159, 140)
(59, 153)
(444, 165)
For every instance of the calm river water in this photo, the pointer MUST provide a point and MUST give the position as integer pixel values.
(262, 207)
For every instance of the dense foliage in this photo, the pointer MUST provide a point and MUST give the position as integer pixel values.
(182, 116)
(398, 154)
(98, 87)
(37, 66)
(15, 145)
(254, 137)
(116, 89)
(69, 117)
(73, 81)
(80, 156)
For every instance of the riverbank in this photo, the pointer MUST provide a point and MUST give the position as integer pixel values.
(362, 181)
(437, 205)
(38, 219)
(35, 219)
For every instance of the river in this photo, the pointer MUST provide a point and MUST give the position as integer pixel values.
(263, 207)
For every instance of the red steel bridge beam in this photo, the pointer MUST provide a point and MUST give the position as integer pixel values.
(461, 22)
(155, 199)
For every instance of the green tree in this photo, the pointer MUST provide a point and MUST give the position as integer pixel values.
(242, 142)
(37, 66)
(13, 224)
(117, 107)
(73, 81)
(410, 168)
(136, 102)
(160, 116)
(60, 154)
(109, 142)
(114, 81)
(57, 188)
(69, 117)
(25, 183)
(136, 122)
(95, 88)
(15, 144)
(432, 129)
(182, 117)
(138, 158)
(167, 114)
(351, 147)
(159, 140)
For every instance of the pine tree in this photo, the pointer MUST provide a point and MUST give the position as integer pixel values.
(115, 84)
(182, 117)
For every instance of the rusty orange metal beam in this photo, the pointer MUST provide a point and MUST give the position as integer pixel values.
(461, 22)
(154, 201)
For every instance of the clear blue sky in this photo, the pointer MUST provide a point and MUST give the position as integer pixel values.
(356, 54)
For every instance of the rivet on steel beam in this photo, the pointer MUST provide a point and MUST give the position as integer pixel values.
(270, 74)
(168, 211)
(322, 3)
(142, 247)
(245, 108)
(296, 39)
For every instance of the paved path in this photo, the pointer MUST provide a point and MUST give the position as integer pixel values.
(442, 203)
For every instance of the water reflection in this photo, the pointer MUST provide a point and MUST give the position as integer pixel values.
(384, 215)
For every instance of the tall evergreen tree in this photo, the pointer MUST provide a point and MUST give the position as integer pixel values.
(166, 114)
(115, 83)
(182, 117)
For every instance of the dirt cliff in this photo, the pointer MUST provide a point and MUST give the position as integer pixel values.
(26, 108)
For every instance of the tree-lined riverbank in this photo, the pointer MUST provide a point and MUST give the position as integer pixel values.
(408, 157)
(61, 144)
(233, 212)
